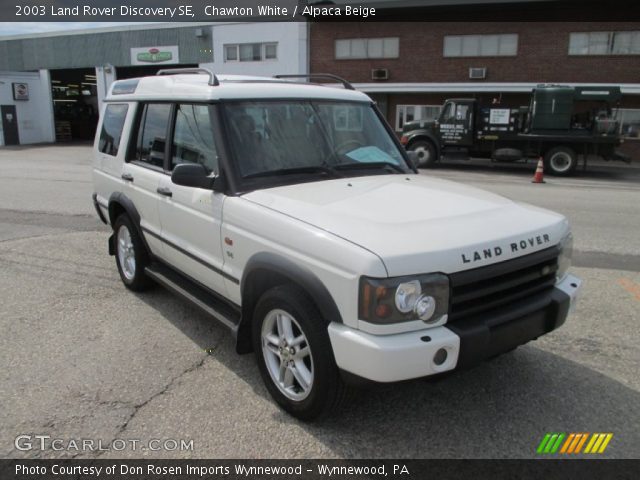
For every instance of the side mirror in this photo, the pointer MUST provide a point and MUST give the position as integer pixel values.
(413, 160)
(192, 175)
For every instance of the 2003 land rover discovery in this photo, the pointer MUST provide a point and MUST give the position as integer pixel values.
(291, 213)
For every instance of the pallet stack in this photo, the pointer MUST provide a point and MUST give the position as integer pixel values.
(63, 131)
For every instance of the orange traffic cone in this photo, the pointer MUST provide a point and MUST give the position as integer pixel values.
(538, 177)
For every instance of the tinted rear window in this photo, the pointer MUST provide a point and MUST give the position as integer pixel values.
(111, 133)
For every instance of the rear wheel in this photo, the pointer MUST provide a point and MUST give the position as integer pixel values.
(561, 161)
(294, 354)
(426, 151)
(131, 255)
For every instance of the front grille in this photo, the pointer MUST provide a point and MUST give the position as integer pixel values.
(486, 289)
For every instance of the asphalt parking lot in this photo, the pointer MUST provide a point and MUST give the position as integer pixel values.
(83, 358)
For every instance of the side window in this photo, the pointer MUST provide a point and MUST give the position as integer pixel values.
(448, 112)
(461, 112)
(193, 137)
(111, 132)
(152, 134)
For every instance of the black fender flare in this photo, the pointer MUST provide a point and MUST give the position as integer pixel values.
(119, 199)
(264, 264)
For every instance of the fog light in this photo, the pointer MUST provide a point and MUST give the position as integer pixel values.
(425, 308)
(440, 357)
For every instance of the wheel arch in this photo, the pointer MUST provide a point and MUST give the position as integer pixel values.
(266, 270)
(424, 137)
(119, 203)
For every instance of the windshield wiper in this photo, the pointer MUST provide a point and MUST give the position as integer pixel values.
(366, 165)
(293, 171)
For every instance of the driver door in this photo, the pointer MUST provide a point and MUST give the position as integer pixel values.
(455, 124)
(191, 217)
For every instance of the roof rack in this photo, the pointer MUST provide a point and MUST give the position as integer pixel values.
(213, 80)
(330, 76)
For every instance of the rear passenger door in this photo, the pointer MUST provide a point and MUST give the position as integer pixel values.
(191, 217)
(109, 155)
(145, 168)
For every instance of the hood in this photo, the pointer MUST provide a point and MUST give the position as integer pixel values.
(417, 224)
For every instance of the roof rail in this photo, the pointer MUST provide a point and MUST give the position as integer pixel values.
(213, 80)
(330, 76)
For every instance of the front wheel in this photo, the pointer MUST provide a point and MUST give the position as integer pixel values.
(561, 161)
(294, 353)
(426, 151)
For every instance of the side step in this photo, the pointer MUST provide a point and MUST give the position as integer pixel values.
(206, 300)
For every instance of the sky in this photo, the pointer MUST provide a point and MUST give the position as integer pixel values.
(26, 28)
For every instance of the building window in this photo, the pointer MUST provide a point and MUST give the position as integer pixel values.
(502, 45)
(250, 52)
(604, 43)
(629, 120)
(355, 48)
(409, 113)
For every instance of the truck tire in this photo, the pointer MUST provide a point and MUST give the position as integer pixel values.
(131, 255)
(427, 155)
(294, 353)
(561, 161)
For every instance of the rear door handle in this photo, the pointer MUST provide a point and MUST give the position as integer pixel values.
(164, 191)
(127, 177)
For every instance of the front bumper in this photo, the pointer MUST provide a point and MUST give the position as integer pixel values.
(390, 358)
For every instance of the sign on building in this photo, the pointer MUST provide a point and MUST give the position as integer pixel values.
(155, 55)
(20, 91)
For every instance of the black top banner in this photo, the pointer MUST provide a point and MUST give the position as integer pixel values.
(315, 10)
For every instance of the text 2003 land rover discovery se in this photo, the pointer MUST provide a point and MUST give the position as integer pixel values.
(290, 213)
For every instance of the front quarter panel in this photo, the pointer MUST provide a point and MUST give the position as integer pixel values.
(254, 229)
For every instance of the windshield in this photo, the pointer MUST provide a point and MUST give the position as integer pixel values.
(309, 137)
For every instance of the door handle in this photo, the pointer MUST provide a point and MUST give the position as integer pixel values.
(127, 177)
(164, 191)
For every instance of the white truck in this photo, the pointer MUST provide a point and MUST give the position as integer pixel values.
(291, 213)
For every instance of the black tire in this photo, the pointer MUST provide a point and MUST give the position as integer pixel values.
(327, 391)
(427, 154)
(561, 161)
(133, 278)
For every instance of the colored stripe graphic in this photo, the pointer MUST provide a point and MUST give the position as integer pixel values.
(568, 442)
(555, 447)
(572, 443)
(543, 443)
(581, 443)
(550, 443)
(607, 439)
(598, 442)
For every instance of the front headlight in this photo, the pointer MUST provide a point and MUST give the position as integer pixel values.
(564, 259)
(402, 299)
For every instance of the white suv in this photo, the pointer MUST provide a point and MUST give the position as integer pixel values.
(291, 213)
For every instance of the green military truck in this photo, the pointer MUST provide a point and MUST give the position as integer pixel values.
(560, 124)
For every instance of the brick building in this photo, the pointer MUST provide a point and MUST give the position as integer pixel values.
(410, 68)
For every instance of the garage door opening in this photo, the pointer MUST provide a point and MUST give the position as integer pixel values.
(75, 103)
